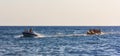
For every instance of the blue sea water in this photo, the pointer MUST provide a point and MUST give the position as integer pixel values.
(60, 41)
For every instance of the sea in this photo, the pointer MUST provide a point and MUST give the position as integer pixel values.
(60, 41)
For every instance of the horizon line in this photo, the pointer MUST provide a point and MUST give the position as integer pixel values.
(59, 25)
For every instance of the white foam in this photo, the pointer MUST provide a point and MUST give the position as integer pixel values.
(40, 36)
(18, 36)
(112, 33)
(77, 35)
(66, 35)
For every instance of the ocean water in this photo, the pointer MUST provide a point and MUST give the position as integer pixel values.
(60, 41)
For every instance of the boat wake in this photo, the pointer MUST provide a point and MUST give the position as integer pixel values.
(112, 33)
(56, 35)
(39, 35)
(66, 35)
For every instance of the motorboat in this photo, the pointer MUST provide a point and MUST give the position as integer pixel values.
(29, 34)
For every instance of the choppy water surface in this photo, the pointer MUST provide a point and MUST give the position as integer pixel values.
(60, 41)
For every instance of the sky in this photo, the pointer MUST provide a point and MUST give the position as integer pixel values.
(59, 12)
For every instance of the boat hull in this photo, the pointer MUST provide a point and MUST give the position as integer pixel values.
(27, 34)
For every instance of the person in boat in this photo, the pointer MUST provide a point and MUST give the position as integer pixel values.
(30, 30)
(91, 31)
(94, 31)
